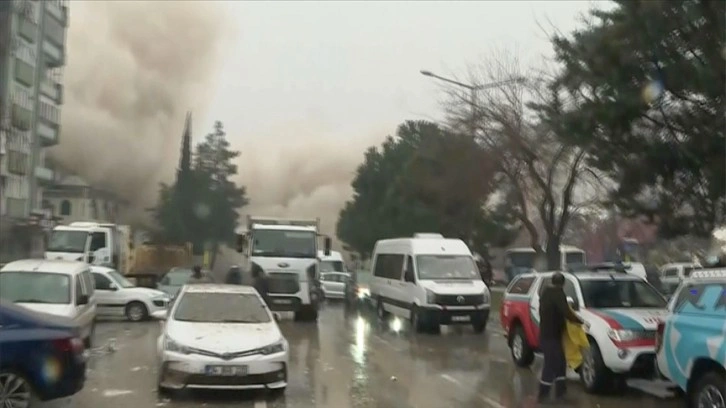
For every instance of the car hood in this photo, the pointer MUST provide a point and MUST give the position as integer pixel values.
(223, 337)
(145, 292)
(454, 287)
(631, 319)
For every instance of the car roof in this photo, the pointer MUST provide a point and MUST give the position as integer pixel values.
(278, 227)
(218, 288)
(45, 265)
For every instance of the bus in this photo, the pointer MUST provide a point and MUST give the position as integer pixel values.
(522, 260)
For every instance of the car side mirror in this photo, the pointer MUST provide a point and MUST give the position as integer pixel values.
(83, 300)
(91, 257)
(113, 287)
(408, 277)
(573, 304)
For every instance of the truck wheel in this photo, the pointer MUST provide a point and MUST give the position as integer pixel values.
(595, 376)
(307, 314)
(136, 312)
(522, 353)
(709, 391)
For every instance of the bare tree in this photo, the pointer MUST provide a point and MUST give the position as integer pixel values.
(546, 179)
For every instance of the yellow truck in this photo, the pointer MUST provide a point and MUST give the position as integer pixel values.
(145, 261)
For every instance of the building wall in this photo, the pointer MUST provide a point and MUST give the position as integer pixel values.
(82, 209)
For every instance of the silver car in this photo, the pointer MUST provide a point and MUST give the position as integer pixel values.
(334, 284)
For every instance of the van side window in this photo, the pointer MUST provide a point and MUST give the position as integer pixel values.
(409, 275)
(521, 286)
(98, 241)
(389, 266)
(79, 288)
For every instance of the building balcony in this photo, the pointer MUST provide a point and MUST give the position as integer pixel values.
(53, 54)
(53, 90)
(44, 175)
(48, 133)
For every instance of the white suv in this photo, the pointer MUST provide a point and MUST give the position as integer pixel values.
(116, 296)
(621, 314)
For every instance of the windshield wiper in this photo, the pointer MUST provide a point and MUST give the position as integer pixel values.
(31, 301)
(238, 321)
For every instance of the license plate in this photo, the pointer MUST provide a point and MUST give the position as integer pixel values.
(282, 301)
(460, 318)
(226, 370)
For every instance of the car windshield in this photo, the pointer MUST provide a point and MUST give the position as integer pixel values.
(284, 243)
(121, 280)
(620, 293)
(176, 277)
(446, 267)
(67, 241)
(331, 266)
(35, 287)
(215, 307)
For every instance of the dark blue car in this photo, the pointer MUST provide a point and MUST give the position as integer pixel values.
(41, 357)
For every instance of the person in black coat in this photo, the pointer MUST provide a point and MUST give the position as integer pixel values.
(554, 313)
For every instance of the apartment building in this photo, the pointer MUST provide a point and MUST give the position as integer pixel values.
(32, 56)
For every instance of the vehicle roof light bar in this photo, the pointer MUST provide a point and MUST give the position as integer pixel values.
(708, 273)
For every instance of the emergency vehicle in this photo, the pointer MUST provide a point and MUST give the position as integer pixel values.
(621, 313)
(691, 342)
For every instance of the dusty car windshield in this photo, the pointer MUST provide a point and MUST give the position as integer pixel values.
(331, 266)
(221, 308)
(35, 287)
(282, 243)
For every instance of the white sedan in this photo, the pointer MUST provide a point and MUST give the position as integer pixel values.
(334, 284)
(116, 296)
(221, 337)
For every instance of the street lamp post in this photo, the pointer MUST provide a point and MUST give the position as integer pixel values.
(473, 90)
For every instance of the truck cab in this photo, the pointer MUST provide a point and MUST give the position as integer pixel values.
(285, 253)
(90, 242)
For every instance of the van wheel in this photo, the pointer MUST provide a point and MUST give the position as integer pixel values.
(595, 376)
(381, 311)
(136, 312)
(522, 353)
(709, 391)
(418, 324)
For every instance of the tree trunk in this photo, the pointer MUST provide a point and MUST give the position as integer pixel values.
(213, 255)
(553, 253)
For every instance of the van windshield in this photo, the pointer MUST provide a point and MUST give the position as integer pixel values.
(431, 267)
(35, 287)
(67, 241)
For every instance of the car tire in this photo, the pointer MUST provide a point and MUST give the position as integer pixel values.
(418, 324)
(88, 341)
(711, 382)
(136, 312)
(596, 378)
(381, 311)
(10, 380)
(479, 326)
(522, 353)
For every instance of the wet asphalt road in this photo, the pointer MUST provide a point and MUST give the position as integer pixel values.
(343, 361)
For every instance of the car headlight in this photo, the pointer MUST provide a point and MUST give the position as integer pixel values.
(430, 296)
(171, 345)
(363, 293)
(273, 349)
(623, 335)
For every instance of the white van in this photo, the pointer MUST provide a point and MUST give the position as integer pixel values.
(430, 280)
(62, 288)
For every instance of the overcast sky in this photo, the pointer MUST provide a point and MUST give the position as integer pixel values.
(303, 88)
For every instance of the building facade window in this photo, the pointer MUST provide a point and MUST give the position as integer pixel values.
(21, 117)
(24, 72)
(65, 207)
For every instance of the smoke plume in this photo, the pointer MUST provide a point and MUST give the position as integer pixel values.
(134, 69)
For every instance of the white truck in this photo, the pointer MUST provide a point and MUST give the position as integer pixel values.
(90, 242)
(285, 253)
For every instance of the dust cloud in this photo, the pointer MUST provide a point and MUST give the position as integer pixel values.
(133, 71)
(308, 177)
